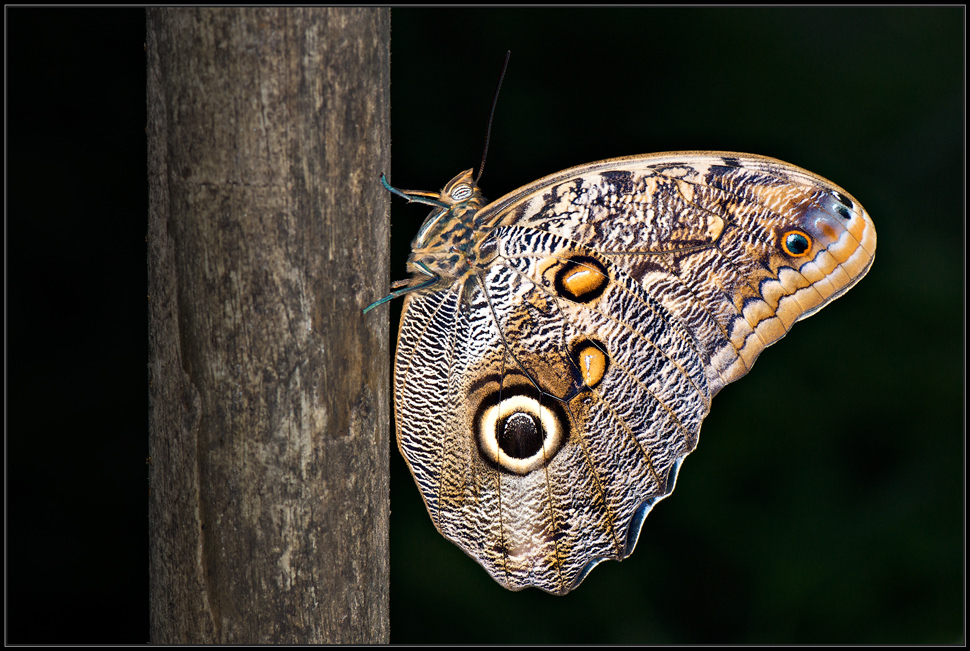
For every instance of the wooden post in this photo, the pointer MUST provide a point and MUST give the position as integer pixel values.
(268, 130)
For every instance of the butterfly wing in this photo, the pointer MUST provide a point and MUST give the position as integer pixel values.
(546, 401)
(707, 234)
(558, 422)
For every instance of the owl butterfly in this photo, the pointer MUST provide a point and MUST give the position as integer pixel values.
(559, 347)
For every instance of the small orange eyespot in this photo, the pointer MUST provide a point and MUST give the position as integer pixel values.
(796, 243)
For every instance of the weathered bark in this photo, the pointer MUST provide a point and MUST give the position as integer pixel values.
(268, 233)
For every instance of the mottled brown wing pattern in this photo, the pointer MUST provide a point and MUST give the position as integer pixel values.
(705, 232)
(559, 347)
(610, 437)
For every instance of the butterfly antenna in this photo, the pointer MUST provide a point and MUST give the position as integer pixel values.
(488, 129)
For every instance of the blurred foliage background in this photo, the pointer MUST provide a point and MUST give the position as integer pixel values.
(825, 502)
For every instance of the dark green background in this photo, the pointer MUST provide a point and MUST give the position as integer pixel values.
(825, 502)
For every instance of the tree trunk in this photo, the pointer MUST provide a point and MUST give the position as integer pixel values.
(268, 130)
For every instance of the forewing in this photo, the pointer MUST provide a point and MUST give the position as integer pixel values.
(705, 233)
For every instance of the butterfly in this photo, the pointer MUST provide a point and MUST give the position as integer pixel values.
(559, 347)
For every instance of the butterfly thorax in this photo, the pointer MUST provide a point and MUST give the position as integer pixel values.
(448, 244)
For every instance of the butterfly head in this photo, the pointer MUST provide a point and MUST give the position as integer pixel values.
(455, 205)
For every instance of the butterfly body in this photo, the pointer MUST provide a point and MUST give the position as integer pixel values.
(561, 345)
